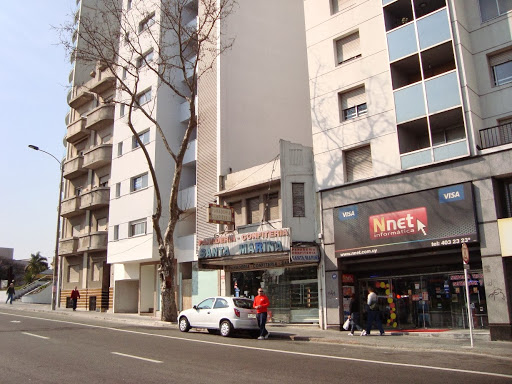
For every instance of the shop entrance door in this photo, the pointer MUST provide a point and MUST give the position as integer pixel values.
(304, 301)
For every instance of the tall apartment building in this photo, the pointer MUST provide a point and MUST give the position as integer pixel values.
(86, 171)
(411, 124)
(249, 101)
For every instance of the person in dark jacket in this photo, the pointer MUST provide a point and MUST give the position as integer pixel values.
(354, 314)
(10, 293)
(75, 295)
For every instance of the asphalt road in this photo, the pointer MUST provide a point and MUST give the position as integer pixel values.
(51, 348)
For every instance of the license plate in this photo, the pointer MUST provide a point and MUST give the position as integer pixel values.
(251, 316)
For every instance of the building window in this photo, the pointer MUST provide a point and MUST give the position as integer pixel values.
(144, 59)
(116, 232)
(96, 271)
(253, 210)
(104, 181)
(143, 136)
(78, 191)
(139, 182)
(505, 199)
(122, 108)
(144, 97)
(129, 4)
(347, 48)
(118, 189)
(137, 228)
(102, 224)
(272, 206)
(237, 206)
(147, 22)
(73, 273)
(125, 72)
(338, 5)
(299, 205)
(490, 9)
(358, 163)
(353, 104)
(120, 148)
(501, 67)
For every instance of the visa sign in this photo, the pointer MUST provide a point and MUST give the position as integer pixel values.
(399, 223)
(347, 213)
(449, 194)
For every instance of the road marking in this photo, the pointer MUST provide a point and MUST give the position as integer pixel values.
(31, 334)
(15, 321)
(137, 357)
(427, 367)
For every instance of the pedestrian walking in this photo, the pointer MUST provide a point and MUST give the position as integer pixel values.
(10, 293)
(354, 314)
(75, 295)
(373, 313)
(261, 304)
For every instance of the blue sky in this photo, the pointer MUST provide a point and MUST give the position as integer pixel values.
(33, 106)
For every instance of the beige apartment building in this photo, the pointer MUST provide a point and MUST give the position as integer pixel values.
(412, 141)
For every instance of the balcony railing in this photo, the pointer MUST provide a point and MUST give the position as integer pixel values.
(74, 167)
(96, 241)
(70, 207)
(96, 198)
(100, 117)
(68, 246)
(496, 136)
(76, 131)
(98, 156)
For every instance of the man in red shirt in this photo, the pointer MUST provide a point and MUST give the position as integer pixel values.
(75, 295)
(261, 304)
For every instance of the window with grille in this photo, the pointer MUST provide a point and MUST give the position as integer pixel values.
(272, 206)
(358, 163)
(501, 67)
(299, 206)
(347, 48)
(353, 104)
(253, 210)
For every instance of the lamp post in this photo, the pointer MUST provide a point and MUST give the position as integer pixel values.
(56, 271)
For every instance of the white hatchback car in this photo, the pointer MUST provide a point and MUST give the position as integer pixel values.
(223, 314)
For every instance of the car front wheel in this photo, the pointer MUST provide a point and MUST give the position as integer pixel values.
(225, 328)
(184, 325)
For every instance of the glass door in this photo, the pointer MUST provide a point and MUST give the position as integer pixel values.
(304, 301)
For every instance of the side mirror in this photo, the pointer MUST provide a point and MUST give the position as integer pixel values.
(195, 307)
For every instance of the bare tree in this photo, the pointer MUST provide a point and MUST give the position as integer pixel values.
(117, 34)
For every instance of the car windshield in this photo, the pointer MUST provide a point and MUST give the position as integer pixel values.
(243, 303)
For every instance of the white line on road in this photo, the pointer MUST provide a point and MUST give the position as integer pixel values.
(31, 334)
(15, 321)
(137, 357)
(427, 367)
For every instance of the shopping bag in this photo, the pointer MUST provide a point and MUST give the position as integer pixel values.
(346, 325)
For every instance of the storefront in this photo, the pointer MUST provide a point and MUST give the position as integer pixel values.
(287, 272)
(408, 248)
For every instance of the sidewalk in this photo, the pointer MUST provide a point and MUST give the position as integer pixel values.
(452, 341)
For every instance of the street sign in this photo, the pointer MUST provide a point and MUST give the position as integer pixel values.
(465, 253)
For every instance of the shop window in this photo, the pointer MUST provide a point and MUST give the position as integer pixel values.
(299, 205)
(358, 163)
(253, 210)
(272, 206)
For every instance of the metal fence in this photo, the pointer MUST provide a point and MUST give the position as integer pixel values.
(496, 136)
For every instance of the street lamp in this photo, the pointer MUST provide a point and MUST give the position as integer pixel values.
(56, 279)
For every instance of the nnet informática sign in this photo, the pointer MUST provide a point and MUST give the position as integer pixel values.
(428, 219)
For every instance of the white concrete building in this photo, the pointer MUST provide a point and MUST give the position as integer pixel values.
(411, 121)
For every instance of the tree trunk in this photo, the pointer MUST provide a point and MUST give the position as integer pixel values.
(169, 308)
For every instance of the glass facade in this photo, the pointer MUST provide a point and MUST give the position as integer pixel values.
(293, 292)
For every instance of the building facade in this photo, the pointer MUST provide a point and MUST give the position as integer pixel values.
(411, 140)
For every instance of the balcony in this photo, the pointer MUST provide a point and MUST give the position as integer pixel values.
(402, 42)
(96, 198)
(74, 167)
(409, 103)
(443, 92)
(191, 153)
(96, 241)
(68, 246)
(76, 131)
(184, 114)
(185, 248)
(70, 207)
(98, 156)
(496, 136)
(187, 198)
(100, 117)
(105, 82)
(434, 29)
(81, 98)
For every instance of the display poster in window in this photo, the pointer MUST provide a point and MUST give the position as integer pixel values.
(434, 218)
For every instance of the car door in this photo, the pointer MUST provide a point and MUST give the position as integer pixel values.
(202, 313)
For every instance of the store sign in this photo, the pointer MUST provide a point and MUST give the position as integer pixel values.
(232, 244)
(219, 214)
(428, 219)
(305, 254)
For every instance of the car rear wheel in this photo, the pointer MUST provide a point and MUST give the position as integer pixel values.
(184, 325)
(226, 328)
